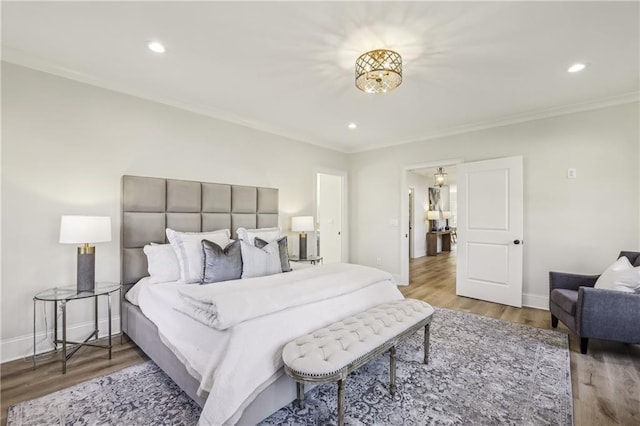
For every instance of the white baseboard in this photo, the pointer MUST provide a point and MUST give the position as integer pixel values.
(535, 301)
(22, 346)
(396, 278)
(419, 253)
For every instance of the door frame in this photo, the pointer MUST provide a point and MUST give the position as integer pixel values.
(344, 255)
(403, 279)
(412, 229)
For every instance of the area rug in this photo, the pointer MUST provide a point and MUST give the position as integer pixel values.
(481, 371)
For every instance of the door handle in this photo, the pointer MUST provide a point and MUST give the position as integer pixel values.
(516, 242)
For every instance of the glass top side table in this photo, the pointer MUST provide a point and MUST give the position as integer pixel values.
(63, 295)
(311, 259)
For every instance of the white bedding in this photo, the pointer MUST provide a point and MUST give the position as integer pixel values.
(226, 304)
(236, 364)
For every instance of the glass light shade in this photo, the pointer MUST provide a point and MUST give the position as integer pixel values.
(378, 71)
(85, 229)
(440, 177)
(433, 215)
(302, 224)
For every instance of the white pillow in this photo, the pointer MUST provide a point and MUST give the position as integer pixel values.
(188, 249)
(628, 281)
(162, 263)
(266, 234)
(621, 276)
(134, 292)
(258, 262)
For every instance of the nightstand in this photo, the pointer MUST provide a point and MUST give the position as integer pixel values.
(311, 259)
(63, 295)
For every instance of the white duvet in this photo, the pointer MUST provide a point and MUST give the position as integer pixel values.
(235, 364)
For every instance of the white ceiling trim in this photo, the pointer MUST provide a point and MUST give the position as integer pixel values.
(609, 101)
(21, 58)
(18, 57)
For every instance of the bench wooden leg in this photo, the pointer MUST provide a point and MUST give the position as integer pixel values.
(341, 402)
(426, 344)
(392, 370)
(300, 388)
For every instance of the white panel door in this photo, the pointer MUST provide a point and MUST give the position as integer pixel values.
(490, 231)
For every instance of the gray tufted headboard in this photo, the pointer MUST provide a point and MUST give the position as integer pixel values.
(150, 205)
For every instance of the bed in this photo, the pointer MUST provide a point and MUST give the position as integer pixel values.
(251, 345)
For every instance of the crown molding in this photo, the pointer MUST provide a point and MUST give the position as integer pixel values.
(609, 101)
(18, 57)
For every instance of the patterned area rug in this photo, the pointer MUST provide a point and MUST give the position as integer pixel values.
(481, 371)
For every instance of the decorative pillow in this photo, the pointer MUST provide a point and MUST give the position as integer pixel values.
(620, 276)
(266, 234)
(628, 281)
(221, 264)
(637, 262)
(162, 263)
(188, 249)
(258, 262)
(283, 251)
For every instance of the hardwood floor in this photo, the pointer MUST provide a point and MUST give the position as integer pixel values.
(606, 381)
(20, 382)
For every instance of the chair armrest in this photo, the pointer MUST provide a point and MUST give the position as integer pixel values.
(608, 314)
(562, 280)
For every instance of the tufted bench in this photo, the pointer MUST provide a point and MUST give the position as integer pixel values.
(331, 353)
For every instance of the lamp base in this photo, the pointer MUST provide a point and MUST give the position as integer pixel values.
(302, 252)
(86, 271)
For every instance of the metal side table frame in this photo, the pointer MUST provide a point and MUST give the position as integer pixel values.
(63, 295)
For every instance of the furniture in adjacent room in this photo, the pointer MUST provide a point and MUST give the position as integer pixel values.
(331, 353)
(594, 313)
(63, 295)
(312, 259)
(432, 242)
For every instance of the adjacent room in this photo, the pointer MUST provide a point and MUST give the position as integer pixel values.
(367, 213)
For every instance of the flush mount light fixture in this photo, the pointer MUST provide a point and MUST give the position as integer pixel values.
(352, 126)
(440, 177)
(156, 46)
(577, 67)
(379, 71)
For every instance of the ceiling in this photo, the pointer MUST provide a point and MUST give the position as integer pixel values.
(451, 180)
(288, 67)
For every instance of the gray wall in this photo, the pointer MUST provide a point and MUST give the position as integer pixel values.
(65, 146)
(569, 225)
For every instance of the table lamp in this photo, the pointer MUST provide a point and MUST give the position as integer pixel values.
(302, 224)
(446, 215)
(85, 230)
(431, 216)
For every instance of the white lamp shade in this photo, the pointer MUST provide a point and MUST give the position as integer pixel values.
(446, 215)
(302, 224)
(433, 215)
(85, 229)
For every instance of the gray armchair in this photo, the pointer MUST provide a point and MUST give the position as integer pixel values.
(593, 313)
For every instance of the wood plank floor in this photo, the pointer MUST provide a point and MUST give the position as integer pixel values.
(606, 381)
(20, 382)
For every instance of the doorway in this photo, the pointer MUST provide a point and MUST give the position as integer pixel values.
(428, 238)
(330, 216)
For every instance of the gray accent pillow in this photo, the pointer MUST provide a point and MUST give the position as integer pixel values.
(637, 262)
(221, 264)
(283, 250)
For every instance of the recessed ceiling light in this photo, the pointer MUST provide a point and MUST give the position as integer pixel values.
(156, 46)
(577, 67)
(352, 126)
